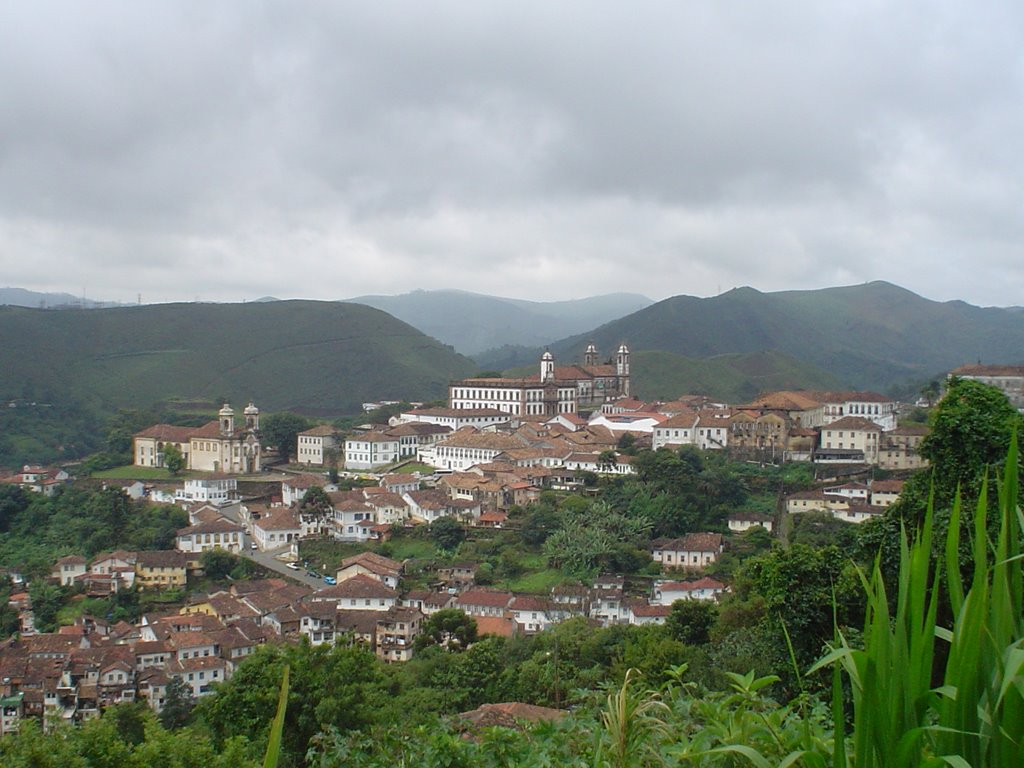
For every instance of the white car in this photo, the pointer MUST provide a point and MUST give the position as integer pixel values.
(293, 566)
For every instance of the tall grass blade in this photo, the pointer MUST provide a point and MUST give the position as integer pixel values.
(273, 754)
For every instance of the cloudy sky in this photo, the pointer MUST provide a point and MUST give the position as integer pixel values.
(227, 151)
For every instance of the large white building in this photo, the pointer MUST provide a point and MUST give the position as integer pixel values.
(371, 450)
(552, 391)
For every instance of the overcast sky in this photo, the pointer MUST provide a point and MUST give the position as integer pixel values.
(231, 150)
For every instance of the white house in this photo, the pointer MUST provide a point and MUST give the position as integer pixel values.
(667, 592)
(275, 529)
(371, 450)
(314, 445)
(217, 534)
(212, 489)
(694, 550)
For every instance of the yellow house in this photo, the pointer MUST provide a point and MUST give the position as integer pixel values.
(162, 569)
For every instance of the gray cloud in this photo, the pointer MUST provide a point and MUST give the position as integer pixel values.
(229, 151)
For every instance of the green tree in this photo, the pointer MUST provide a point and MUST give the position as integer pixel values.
(690, 621)
(447, 533)
(449, 628)
(178, 705)
(218, 563)
(316, 504)
(281, 430)
(174, 461)
(971, 429)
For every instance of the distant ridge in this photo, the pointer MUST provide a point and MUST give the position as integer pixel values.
(871, 336)
(323, 358)
(473, 323)
(20, 297)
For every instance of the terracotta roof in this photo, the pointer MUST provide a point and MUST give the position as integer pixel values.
(486, 598)
(988, 370)
(278, 520)
(161, 558)
(222, 525)
(168, 433)
(502, 626)
(692, 542)
(854, 423)
(887, 486)
(359, 586)
(322, 430)
(373, 562)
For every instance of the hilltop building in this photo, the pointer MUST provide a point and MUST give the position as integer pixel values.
(217, 446)
(552, 391)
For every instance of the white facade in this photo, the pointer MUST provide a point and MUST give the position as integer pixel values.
(213, 490)
(374, 449)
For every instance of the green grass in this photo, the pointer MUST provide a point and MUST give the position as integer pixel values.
(131, 472)
(537, 582)
(408, 469)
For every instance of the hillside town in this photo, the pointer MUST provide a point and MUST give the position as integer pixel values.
(498, 445)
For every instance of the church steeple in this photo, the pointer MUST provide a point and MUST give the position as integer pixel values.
(547, 367)
(227, 420)
(590, 356)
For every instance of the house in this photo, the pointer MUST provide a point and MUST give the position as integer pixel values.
(744, 521)
(428, 506)
(314, 446)
(67, 569)
(635, 423)
(384, 569)
(400, 483)
(532, 614)
(414, 435)
(199, 673)
(901, 447)
(219, 534)
(216, 489)
(484, 602)
(360, 592)
(667, 592)
(885, 492)
(694, 550)
(370, 450)
(853, 433)
(276, 529)
(642, 613)
(676, 431)
(852, 491)
(467, 447)
(395, 633)
(161, 568)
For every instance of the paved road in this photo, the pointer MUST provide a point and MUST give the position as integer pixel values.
(269, 561)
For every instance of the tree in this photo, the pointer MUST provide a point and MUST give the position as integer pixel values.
(447, 533)
(178, 704)
(607, 461)
(281, 430)
(971, 430)
(217, 563)
(449, 628)
(316, 505)
(690, 621)
(173, 460)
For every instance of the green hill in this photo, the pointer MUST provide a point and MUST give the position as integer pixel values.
(321, 358)
(872, 336)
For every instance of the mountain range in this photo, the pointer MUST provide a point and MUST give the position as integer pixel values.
(872, 336)
(473, 323)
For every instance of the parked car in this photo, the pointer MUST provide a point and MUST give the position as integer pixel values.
(293, 566)
(330, 580)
